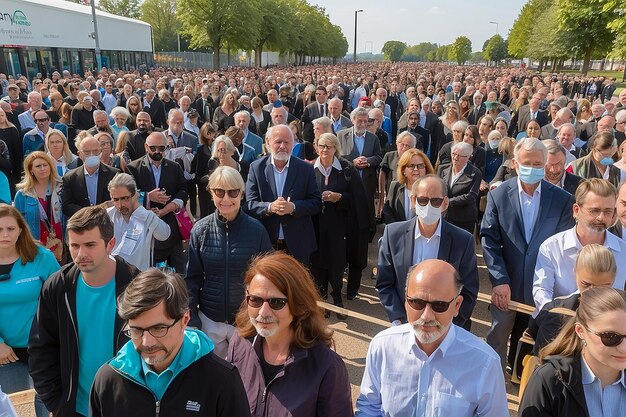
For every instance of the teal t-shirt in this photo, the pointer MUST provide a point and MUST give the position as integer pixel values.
(95, 313)
(19, 295)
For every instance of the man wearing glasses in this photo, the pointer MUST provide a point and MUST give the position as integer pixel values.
(426, 236)
(34, 139)
(165, 369)
(452, 372)
(76, 328)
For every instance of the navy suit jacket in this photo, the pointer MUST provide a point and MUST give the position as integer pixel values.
(509, 258)
(395, 258)
(301, 189)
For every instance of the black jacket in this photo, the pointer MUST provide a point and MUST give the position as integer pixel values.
(555, 390)
(53, 342)
(547, 325)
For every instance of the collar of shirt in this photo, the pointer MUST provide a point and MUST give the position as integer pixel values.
(443, 347)
(356, 136)
(418, 232)
(336, 164)
(588, 377)
(43, 135)
(87, 174)
(174, 137)
(521, 191)
(274, 164)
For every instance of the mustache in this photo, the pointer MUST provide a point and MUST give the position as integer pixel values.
(264, 319)
(429, 323)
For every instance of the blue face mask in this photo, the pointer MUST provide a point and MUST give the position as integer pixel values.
(493, 144)
(606, 161)
(530, 175)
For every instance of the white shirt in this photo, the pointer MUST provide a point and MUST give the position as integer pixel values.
(134, 239)
(456, 176)
(556, 261)
(279, 180)
(530, 208)
(461, 378)
(425, 248)
(326, 172)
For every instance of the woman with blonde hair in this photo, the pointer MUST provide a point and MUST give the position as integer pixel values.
(57, 147)
(224, 116)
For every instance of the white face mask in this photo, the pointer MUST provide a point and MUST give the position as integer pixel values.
(428, 214)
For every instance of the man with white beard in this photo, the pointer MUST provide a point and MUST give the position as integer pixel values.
(430, 366)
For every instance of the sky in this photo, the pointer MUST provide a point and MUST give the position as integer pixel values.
(416, 21)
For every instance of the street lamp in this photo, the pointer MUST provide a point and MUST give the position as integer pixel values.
(495, 23)
(356, 12)
(96, 36)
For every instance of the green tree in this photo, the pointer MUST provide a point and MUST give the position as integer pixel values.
(495, 50)
(276, 28)
(161, 15)
(419, 52)
(126, 8)
(442, 54)
(460, 50)
(393, 50)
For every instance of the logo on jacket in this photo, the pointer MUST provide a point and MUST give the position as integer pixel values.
(193, 406)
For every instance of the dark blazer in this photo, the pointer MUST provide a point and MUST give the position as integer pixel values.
(260, 128)
(157, 113)
(74, 195)
(463, 194)
(199, 106)
(522, 117)
(311, 112)
(431, 121)
(394, 209)
(301, 189)
(371, 150)
(547, 325)
(175, 185)
(570, 183)
(509, 258)
(395, 258)
(187, 140)
(617, 231)
(473, 116)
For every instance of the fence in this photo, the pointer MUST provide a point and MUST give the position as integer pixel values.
(191, 60)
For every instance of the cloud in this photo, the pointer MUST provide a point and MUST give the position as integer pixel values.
(434, 11)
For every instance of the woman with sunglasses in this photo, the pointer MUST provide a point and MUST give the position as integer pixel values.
(583, 370)
(220, 247)
(283, 346)
(24, 265)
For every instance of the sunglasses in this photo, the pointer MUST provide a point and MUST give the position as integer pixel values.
(5, 277)
(156, 148)
(257, 302)
(416, 166)
(609, 339)
(221, 192)
(435, 202)
(437, 306)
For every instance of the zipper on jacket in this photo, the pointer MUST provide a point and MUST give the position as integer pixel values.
(158, 408)
(227, 281)
(265, 393)
(69, 311)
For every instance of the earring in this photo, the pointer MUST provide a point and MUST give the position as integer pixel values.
(584, 342)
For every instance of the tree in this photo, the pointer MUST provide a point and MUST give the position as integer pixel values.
(495, 49)
(126, 8)
(161, 15)
(275, 29)
(521, 29)
(419, 52)
(460, 50)
(393, 50)
(443, 53)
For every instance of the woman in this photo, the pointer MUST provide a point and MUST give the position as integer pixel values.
(502, 126)
(444, 157)
(107, 156)
(533, 130)
(412, 165)
(621, 153)
(520, 101)
(283, 346)
(120, 115)
(584, 114)
(451, 116)
(56, 146)
(12, 167)
(200, 167)
(224, 116)
(464, 106)
(120, 145)
(583, 368)
(301, 149)
(343, 197)
(485, 125)
(463, 183)
(54, 112)
(133, 105)
(389, 166)
(39, 200)
(262, 118)
(126, 93)
(304, 99)
(220, 247)
(65, 120)
(598, 163)
(24, 266)
(478, 154)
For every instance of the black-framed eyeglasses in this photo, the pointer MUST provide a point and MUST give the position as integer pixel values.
(437, 306)
(158, 331)
(5, 277)
(416, 166)
(609, 339)
(275, 303)
(324, 146)
(436, 202)
(221, 192)
(154, 148)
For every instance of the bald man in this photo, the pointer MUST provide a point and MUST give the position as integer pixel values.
(415, 368)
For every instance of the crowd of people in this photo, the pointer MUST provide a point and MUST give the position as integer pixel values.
(120, 304)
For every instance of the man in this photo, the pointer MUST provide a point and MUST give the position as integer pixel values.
(101, 120)
(338, 120)
(109, 100)
(135, 227)
(155, 108)
(72, 91)
(455, 94)
(272, 96)
(374, 126)
(82, 115)
(282, 193)
(35, 103)
(562, 117)
(619, 229)
(594, 212)
(97, 99)
(381, 94)
(527, 113)
(477, 110)
(620, 126)
(164, 362)
(137, 138)
(165, 189)
(86, 185)
(203, 105)
(555, 168)
(34, 139)
(428, 366)
(608, 90)
(242, 121)
(566, 135)
(520, 215)
(314, 111)
(177, 137)
(81, 294)
(426, 236)
(362, 148)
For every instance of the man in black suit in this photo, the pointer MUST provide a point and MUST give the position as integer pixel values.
(137, 138)
(203, 104)
(155, 108)
(477, 110)
(313, 111)
(86, 185)
(395, 105)
(527, 113)
(555, 168)
(426, 236)
(165, 190)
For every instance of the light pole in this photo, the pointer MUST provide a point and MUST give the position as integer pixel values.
(96, 37)
(495, 23)
(356, 13)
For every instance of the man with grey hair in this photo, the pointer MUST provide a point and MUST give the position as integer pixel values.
(101, 120)
(555, 167)
(338, 120)
(279, 116)
(520, 215)
(155, 108)
(135, 227)
(242, 121)
(562, 116)
(477, 110)
(35, 102)
(620, 126)
(566, 136)
(456, 92)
